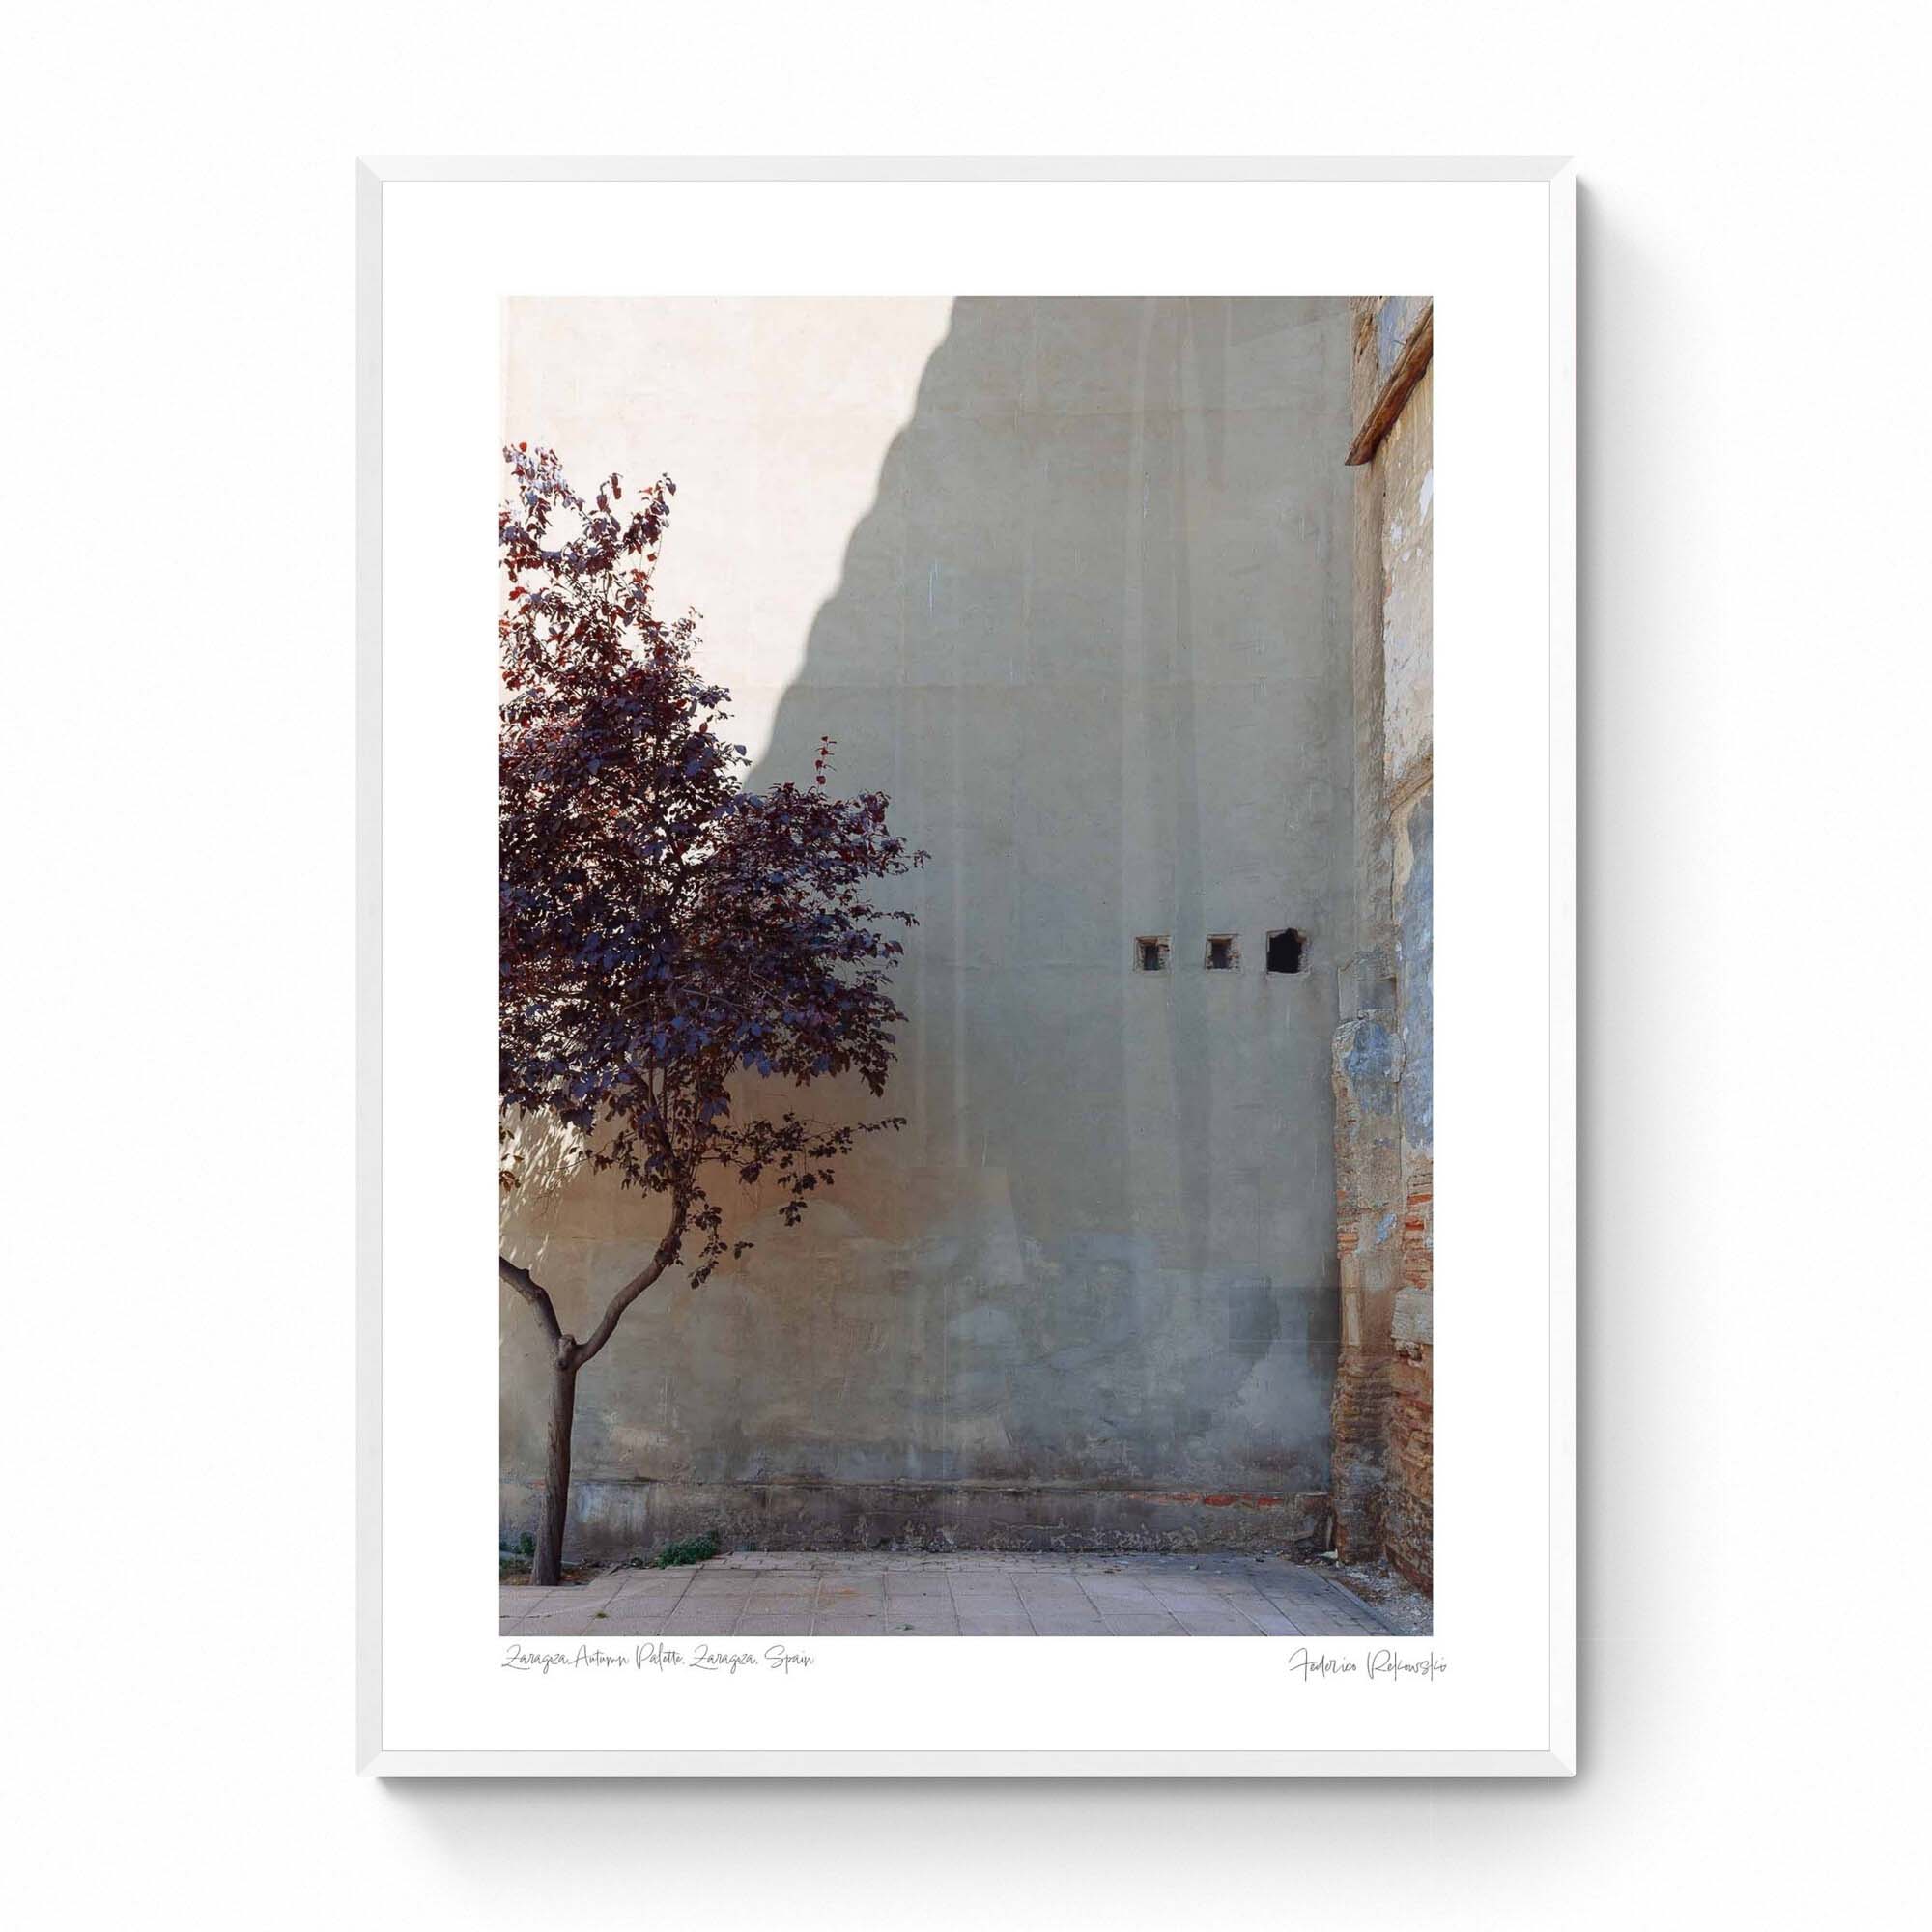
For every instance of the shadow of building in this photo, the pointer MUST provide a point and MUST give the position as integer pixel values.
(1092, 637)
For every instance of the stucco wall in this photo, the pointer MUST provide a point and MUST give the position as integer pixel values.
(1070, 579)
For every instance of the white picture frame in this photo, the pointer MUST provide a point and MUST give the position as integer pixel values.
(431, 1707)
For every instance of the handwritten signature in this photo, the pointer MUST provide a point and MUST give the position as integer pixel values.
(1384, 1665)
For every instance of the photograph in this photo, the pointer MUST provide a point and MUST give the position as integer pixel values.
(942, 1019)
(966, 960)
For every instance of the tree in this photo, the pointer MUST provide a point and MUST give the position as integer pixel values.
(674, 949)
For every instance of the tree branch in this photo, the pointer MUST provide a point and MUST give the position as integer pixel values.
(540, 1302)
(666, 1254)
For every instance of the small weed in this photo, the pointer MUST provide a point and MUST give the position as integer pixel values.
(516, 1559)
(693, 1549)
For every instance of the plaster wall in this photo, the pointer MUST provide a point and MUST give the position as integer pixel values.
(1071, 580)
(1384, 1049)
(1407, 462)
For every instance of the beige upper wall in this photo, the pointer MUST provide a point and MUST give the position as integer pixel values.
(1070, 579)
(772, 417)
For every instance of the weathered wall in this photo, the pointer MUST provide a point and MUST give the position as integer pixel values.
(1070, 579)
(1383, 1057)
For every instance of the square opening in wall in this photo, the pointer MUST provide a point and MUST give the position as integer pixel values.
(1287, 951)
(1222, 955)
(1150, 955)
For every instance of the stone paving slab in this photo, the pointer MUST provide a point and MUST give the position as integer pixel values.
(960, 1593)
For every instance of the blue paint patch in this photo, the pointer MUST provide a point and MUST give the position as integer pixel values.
(1415, 953)
(1394, 320)
(1369, 1066)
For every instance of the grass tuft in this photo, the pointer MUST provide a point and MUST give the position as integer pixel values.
(693, 1549)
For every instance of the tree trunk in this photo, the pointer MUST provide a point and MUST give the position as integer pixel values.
(567, 1357)
(547, 1566)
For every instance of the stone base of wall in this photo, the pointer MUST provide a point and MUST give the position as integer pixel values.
(612, 1521)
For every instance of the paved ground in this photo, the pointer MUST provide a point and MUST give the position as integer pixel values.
(977, 1593)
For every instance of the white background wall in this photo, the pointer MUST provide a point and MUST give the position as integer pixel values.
(177, 801)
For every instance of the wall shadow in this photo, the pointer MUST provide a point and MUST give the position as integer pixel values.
(1093, 638)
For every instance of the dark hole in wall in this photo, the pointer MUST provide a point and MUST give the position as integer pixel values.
(1221, 955)
(1150, 955)
(1286, 950)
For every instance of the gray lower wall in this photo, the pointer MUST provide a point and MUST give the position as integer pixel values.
(1091, 634)
(613, 1519)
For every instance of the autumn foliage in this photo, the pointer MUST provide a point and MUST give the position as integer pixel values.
(679, 955)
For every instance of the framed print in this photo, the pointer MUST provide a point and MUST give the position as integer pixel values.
(985, 740)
